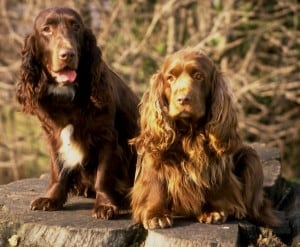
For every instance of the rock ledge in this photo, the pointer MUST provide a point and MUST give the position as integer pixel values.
(74, 226)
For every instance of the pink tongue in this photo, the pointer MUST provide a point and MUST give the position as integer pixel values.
(66, 76)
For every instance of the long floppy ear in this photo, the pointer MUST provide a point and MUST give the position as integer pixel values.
(94, 71)
(30, 73)
(156, 129)
(222, 118)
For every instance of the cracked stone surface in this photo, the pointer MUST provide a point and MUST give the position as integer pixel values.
(74, 225)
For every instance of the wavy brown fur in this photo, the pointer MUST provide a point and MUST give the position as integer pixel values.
(193, 162)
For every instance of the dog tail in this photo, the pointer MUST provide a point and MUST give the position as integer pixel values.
(249, 170)
(266, 215)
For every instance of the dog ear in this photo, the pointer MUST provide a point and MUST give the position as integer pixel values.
(222, 118)
(30, 73)
(92, 65)
(156, 131)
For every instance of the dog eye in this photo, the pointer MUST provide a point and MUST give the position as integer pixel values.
(170, 78)
(75, 26)
(198, 76)
(46, 30)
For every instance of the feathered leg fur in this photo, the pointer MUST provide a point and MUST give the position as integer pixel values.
(249, 170)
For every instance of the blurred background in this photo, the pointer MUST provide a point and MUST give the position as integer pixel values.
(256, 43)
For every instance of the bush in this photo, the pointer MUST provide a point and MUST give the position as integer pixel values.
(256, 43)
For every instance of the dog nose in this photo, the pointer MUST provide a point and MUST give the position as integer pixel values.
(183, 99)
(66, 53)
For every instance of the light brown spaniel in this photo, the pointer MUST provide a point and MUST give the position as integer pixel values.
(193, 162)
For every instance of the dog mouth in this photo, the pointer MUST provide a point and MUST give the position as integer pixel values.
(182, 114)
(191, 112)
(65, 76)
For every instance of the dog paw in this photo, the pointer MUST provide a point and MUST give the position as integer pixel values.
(45, 204)
(212, 217)
(156, 222)
(104, 211)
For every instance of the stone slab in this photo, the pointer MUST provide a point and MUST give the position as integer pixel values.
(74, 225)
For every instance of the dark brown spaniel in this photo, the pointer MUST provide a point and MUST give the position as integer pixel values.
(193, 162)
(86, 111)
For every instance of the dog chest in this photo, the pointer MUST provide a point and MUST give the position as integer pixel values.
(70, 152)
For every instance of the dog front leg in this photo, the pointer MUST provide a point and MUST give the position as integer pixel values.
(106, 183)
(56, 194)
(150, 203)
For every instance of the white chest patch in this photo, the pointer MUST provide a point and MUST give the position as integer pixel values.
(70, 152)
